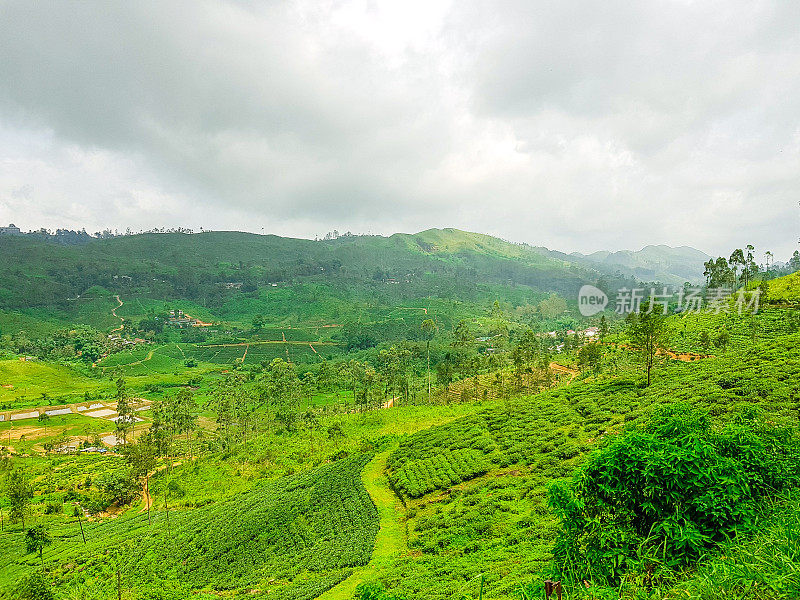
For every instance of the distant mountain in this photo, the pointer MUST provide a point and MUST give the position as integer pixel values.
(223, 268)
(660, 263)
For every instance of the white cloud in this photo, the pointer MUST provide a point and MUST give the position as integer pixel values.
(569, 124)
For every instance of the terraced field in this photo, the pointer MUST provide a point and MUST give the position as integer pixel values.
(295, 537)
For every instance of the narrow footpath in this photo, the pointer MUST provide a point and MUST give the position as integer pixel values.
(391, 539)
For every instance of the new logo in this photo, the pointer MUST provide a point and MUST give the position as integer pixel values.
(591, 300)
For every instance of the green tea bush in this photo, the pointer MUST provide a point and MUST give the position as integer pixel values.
(33, 587)
(442, 470)
(669, 491)
(320, 523)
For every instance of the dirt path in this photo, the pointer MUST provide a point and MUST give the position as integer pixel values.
(391, 540)
(573, 373)
(114, 312)
(146, 497)
(681, 356)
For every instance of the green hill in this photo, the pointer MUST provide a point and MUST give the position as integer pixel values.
(293, 537)
(785, 289)
(654, 263)
(232, 275)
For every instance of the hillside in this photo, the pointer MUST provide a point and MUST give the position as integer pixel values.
(214, 268)
(234, 276)
(39, 272)
(654, 263)
(255, 501)
(383, 418)
(785, 289)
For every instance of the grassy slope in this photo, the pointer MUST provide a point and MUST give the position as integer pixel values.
(543, 439)
(447, 548)
(293, 535)
(785, 289)
(31, 379)
(196, 484)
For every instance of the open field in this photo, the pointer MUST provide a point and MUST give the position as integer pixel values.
(23, 383)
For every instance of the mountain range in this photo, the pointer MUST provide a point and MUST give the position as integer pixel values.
(435, 262)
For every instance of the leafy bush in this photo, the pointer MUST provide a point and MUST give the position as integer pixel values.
(447, 468)
(118, 486)
(33, 587)
(669, 491)
(375, 591)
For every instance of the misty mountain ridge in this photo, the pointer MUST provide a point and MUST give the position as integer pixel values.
(666, 264)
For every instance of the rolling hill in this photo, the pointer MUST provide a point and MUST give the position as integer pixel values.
(39, 272)
(213, 268)
(653, 263)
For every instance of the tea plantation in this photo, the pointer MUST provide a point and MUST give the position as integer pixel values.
(294, 536)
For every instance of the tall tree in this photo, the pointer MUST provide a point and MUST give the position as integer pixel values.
(36, 538)
(735, 261)
(768, 259)
(461, 335)
(20, 494)
(428, 331)
(647, 334)
(794, 262)
(185, 415)
(394, 365)
(141, 458)
(709, 270)
(750, 266)
(591, 356)
(222, 399)
(125, 417)
(355, 374)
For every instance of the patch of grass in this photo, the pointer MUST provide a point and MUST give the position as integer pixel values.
(22, 383)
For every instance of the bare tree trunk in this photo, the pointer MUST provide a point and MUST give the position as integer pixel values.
(166, 508)
(83, 535)
(147, 498)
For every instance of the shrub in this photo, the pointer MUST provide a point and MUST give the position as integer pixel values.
(672, 489)
(33, 587)
(118, 485)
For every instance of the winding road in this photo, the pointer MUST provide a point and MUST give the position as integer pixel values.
(114, 312)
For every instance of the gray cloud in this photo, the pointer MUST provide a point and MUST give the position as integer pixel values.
(571, 124)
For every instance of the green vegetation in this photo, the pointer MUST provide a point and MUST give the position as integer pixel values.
(418, 477)
(664, 494)
(382, 418)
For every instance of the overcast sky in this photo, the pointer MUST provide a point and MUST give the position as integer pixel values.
(576, 125)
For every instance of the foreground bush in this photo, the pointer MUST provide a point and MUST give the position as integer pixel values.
(665, 494)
